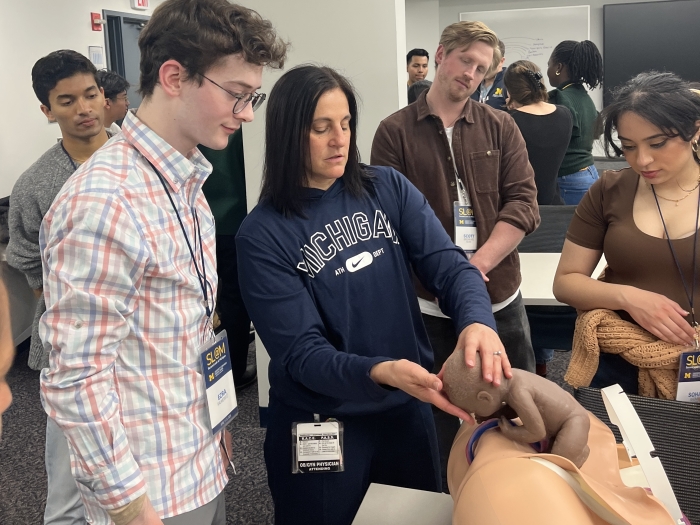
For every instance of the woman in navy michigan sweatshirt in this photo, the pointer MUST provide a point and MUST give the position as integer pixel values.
(325, 267)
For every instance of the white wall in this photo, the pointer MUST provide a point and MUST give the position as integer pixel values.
(29, 30)
(366, 41)
(423, 29)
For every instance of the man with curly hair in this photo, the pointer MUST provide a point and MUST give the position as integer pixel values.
(128, 249)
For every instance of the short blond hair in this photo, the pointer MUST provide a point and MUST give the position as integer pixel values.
(461, 35)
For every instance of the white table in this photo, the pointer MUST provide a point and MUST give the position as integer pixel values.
(537, 270)
(387, 505)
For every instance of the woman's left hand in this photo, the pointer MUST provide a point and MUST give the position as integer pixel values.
(480, 338)
(417, 382)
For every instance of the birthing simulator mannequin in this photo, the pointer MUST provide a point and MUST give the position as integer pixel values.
(502, 480)
(545, 410)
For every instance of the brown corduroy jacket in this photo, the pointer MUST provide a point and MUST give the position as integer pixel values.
(492, 163)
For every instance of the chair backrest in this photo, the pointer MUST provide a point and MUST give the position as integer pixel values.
(674, 429)
(549, 237)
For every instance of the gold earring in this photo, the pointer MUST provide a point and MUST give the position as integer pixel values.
(694, 145)
(558, 73)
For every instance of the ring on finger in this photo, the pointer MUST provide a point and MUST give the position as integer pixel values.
(497, 352)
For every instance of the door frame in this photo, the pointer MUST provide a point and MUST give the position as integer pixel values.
(114, 44)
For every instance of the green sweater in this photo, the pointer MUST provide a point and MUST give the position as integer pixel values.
(225, 187)
(579, 154)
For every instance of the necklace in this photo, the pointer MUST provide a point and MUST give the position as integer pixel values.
(690, 190)
(677, 201)
(690, 294)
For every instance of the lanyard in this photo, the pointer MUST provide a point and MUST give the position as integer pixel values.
(201, 275)
(689, 294)
(461, 191)
(75, 166)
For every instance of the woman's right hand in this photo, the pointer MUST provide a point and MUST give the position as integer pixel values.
(659, 315)
(416, 381)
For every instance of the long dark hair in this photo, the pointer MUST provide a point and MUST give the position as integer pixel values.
(583, 61)
(663, 99)
(288, 118)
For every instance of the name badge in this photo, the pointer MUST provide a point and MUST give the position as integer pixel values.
(218, 382)
(689, 377)
(465, 228)
(317, 447)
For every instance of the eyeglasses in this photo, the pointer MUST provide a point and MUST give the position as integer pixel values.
(242, 100)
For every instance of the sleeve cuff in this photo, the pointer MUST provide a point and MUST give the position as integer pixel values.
(375, 391)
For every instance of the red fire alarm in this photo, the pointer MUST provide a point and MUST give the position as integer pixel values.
(96, 21)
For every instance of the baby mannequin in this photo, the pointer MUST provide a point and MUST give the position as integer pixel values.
(545, 410)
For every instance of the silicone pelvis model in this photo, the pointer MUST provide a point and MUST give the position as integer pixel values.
(544, 409)
(509, 483)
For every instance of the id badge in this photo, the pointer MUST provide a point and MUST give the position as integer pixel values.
(317, 447)
(465, 228)
(215, 358)
(689, 376)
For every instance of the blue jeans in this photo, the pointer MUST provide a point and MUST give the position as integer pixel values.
(543, 355)
(573, 187)
(63, 503)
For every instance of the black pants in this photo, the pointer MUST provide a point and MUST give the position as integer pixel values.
(396, 447)
(232, 312)
(514, 331)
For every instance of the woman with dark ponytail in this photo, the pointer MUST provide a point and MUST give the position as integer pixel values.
(572, 65)
(546, 128)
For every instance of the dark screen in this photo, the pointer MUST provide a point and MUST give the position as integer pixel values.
(664, 36)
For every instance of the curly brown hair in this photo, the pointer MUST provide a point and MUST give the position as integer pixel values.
(199, 33)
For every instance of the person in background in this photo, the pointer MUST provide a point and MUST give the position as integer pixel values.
(7, 351)
(66, 84)
(468, 158)
(226, 196)
(417, 65)
(116, 100)
(545, 127)
(324, 262)
(644, 219)
(571, 66)
(492, 90)
(128, 250)
(416, 89)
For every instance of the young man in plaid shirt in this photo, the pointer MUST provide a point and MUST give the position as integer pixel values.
(130, 274)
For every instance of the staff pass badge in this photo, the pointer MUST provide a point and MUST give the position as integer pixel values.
(218, 382)
(317, 447)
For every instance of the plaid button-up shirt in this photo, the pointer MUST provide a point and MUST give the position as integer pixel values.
(124, 321)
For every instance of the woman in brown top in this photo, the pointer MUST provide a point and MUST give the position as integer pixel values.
(629, 215)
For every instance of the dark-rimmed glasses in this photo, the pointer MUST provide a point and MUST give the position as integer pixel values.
(242, 100)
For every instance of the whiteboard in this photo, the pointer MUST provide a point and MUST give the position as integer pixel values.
(532, 34)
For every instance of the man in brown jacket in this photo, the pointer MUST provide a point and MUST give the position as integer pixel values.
(469, 160)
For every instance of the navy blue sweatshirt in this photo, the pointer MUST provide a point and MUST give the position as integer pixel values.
(331, 295)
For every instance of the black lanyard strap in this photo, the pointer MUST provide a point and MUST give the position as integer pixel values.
(689, 293)
(201, 275)
(75, 166)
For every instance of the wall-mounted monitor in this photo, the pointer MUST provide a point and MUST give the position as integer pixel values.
(664, 36)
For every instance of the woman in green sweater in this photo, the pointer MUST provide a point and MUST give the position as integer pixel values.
(572, 65)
